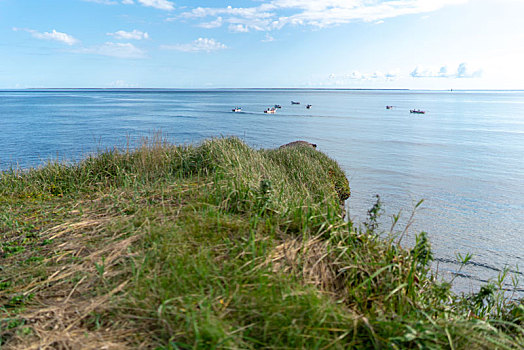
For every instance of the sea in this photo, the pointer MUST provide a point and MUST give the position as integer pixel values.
(464, 157)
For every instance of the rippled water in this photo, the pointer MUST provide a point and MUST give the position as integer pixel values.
(464, 157)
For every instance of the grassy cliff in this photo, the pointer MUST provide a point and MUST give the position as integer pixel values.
(219, 246)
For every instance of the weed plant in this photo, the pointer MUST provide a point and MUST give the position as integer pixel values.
(219, 246)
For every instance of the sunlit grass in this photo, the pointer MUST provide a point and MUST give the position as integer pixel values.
(219, 246)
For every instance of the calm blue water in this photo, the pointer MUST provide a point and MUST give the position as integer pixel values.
(465, 157)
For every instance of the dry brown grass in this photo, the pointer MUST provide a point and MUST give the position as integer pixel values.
(85, 257)
(60, 324)
(311, 259)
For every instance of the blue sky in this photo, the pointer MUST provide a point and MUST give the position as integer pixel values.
(417, 44)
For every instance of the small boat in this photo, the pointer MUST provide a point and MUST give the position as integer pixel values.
(271, 110)
(309, 106)
(237, 109)
(389, 107)
(278, 106)
(417, 111)
(295, 103)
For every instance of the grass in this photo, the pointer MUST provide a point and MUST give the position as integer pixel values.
(220, 246)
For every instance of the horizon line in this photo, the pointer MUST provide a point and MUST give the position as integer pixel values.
(234, 88)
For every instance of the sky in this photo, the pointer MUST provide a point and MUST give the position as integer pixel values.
(412, 44)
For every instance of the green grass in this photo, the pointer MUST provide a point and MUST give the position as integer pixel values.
(220, 246)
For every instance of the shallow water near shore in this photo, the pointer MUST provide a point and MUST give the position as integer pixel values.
(464, 157)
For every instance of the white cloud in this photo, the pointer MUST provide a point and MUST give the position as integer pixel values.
(249, 12)
(422, 72)
(278, 13)
(53, 35)
(119, 50)
(239, 19)
(238, 28)
(134, 35)
(201, 44)
(213, 24)
(462, 71)
(158, 4)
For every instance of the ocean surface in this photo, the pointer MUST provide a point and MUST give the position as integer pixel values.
(464, 157)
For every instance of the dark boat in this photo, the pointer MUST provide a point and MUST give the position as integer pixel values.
(278, 106)
(417, 111)
(389, 107)
(309, 106)
(295, 103)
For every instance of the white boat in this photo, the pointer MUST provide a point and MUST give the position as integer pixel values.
(237, 109)
(271, 110)
(309, 106)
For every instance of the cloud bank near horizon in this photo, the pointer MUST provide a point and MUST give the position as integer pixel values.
(462, 71)
(360, 76)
